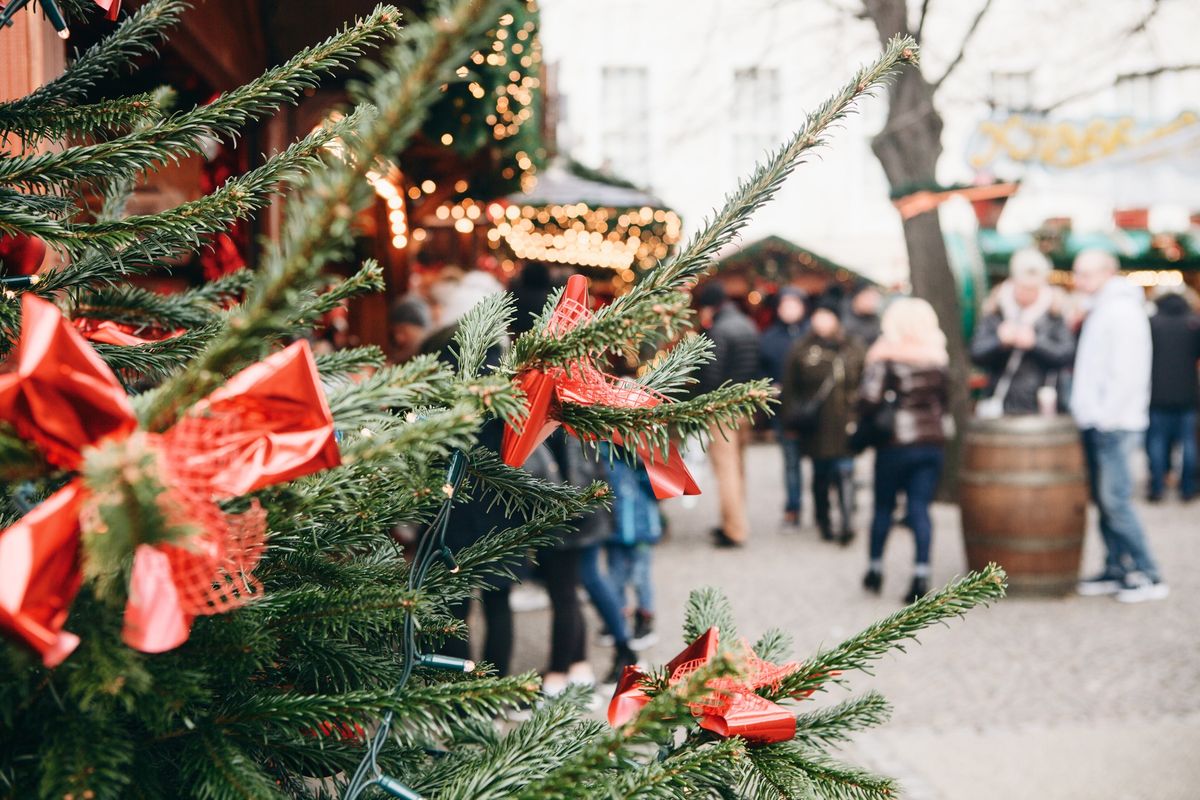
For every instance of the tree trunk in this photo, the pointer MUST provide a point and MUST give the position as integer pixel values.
(908, 149)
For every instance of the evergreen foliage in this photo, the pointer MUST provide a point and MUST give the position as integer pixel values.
(283, 697)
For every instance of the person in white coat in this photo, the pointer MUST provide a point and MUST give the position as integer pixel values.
(1110, 400)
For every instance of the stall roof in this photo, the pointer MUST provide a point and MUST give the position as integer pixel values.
(559, 184)
(1137, 249)
(786, 253)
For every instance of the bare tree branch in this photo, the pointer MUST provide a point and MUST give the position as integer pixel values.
(966, 42)
(1085, 93)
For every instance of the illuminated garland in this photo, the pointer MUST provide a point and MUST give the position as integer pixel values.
(618, 239)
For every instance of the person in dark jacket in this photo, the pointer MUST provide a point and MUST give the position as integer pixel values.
(819, 392)
(1174, 395)
(906, 374)
(735, 351)
(789, 326)
(530, 293)
(862, 318)
(562, 459)
(1023, 341)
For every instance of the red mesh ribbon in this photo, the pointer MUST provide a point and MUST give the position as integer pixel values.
(269, 423)
(583, 384)
(734, 708)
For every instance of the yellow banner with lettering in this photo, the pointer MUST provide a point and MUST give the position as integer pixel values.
(1034, 141)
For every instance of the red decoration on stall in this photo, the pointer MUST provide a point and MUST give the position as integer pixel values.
(267, 424)
(21, 254)
(733, 709)
(109, 332)
(582, 383)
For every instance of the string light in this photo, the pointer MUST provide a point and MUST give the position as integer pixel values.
(388, 189)
(432, 542)
(617, 239)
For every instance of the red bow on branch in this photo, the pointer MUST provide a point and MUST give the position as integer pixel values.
(267, 424)
(581, 383)
(733, 709)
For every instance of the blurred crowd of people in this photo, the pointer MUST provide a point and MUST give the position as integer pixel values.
(861, 371)
(855, 371)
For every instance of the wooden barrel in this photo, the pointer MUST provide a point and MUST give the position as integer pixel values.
(1024, 497)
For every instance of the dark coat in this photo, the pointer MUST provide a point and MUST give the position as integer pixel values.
(811, 362)
(1175, 333)
(864, 327)
(735, 350)
(564, 459)
(922, 400)
(775, 345)
(1044, 365)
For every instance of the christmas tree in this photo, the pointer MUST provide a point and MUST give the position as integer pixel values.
(201, 596)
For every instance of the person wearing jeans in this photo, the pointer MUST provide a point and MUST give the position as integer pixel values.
(1174, 394)
(905, 398)
(915, 471)
(1110, 400)
(1108, 454)
(774, 350)
(637, 527)
(1171, 428)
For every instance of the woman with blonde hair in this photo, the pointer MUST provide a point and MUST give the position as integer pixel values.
(904, 414)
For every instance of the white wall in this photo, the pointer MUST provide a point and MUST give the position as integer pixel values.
(838, 205)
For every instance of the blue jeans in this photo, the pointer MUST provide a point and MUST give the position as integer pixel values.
(603, 595)
(631, 565)
(1107, 455)
(833, 474)
(1170, 427)
(793, 478)
(915, 471)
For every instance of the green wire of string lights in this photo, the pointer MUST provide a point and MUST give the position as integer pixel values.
(431, 546)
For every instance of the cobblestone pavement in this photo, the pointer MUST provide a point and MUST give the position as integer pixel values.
(1056, 699)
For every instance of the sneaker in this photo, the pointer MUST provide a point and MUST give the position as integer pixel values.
(845, 537)
(605, 639)
(643, 631)
(1140, 587)
(873, 581)
(826, 530)
(791, 519)
(1099, 586)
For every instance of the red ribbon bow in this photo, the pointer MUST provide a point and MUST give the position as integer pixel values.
(267, 424)
(120, 333)
(581, 383)
(733, 709)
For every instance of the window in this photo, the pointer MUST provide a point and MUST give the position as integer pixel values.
(625, 141)
(1012, 91)
(1137, 95)
(755, 115)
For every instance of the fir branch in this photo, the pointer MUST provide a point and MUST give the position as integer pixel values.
(402, 387)
(835, 724)
(638, 313)
(727, 407)
(799, 772)
(155, 360)
(672, 373)
(708, 607)
(420, 436)
(183, 133)
(105, 116)
(774, 645)
(529, 752)
(238, 198)
(693, 773)
(138, 35)
(521, 494)
(366, 280)
(344, 365)
(480, 329)
(134, 305)
(216, 768)
(891, 633)
(654, 721)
